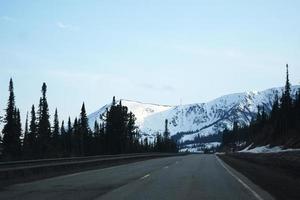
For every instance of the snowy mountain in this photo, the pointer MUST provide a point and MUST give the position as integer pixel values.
(188, 121)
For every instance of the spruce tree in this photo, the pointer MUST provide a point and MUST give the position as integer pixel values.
(55, 131)
(55, 135)
(32, 137)
(11, 134)
(96, 129)
(113, 130)
(76, 138)
(84, 131)
(286, 100)
(26, 131)
(96, 143)
(275, 110)
(132, 134)
(63, 139)
(286, 107)
(26, 146)
(166, 132)
(19, 129)
(114, 101)
(44, 129)
(69, 137)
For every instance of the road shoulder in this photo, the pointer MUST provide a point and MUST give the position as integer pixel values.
(256, 191)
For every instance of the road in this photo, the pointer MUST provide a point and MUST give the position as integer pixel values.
(189, 177)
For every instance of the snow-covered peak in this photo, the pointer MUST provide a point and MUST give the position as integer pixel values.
(200, 118)
(140, 110)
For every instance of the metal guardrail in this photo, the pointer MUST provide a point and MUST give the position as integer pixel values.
(4, 166)
(11, 164)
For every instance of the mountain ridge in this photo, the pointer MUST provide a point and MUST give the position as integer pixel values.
(198, 118)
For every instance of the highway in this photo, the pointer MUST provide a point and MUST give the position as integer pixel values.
(202, 177)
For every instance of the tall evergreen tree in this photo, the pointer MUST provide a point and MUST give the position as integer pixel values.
(26, 145)
(44, 129)
(55, 146)
(63, 139)
(166, 132)
(11, 134)
(84, 131)
(114, 101)
(286, 107)
(69, 137)
(26, 131)
(97, 144)
(55, 129)
(32, 137)
(76, 138)
(132, 133)
(286, 100)
(96, 128)
(18, 126)
(275, 109)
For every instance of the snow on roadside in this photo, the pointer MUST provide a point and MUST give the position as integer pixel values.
(191, 150)
(200, 148)
(266, 149)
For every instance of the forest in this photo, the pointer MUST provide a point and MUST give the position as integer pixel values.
(279, 127)
(38, 139)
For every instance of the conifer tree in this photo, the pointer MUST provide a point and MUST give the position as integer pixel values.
(96, 129)
(166, 132)
(97, 139)
(286, 106)
(69, 137)
(63, 139)
(26, 145)
(44, 129)
(55, 132)
(132, 134)
(32, 137)
(11, 132)
(114, 101)
(26, 131)
(55, 147)
(275, 110)
(76, 138)
(286, 100)
(83, 131)
(18, 122)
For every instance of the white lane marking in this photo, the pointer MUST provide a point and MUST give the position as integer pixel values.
(146, 176)
(176, 162)
(239, 180)
(166, 167)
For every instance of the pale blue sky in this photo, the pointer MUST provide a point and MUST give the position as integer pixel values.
(156, 51)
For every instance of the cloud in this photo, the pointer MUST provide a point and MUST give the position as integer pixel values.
(7, 19)
(69, 27)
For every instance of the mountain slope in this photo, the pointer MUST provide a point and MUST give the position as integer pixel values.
(188, 121)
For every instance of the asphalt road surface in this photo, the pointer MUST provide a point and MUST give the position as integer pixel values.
(184, 177)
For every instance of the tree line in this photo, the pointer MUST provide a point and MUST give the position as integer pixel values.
(117, 133)
(280, 126)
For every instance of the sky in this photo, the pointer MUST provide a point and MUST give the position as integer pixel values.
(157, 51)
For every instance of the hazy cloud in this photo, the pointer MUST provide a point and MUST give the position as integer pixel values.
(69, 27)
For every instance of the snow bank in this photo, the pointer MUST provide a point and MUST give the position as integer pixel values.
(199, 149)
(266, 149)
(191, 150)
